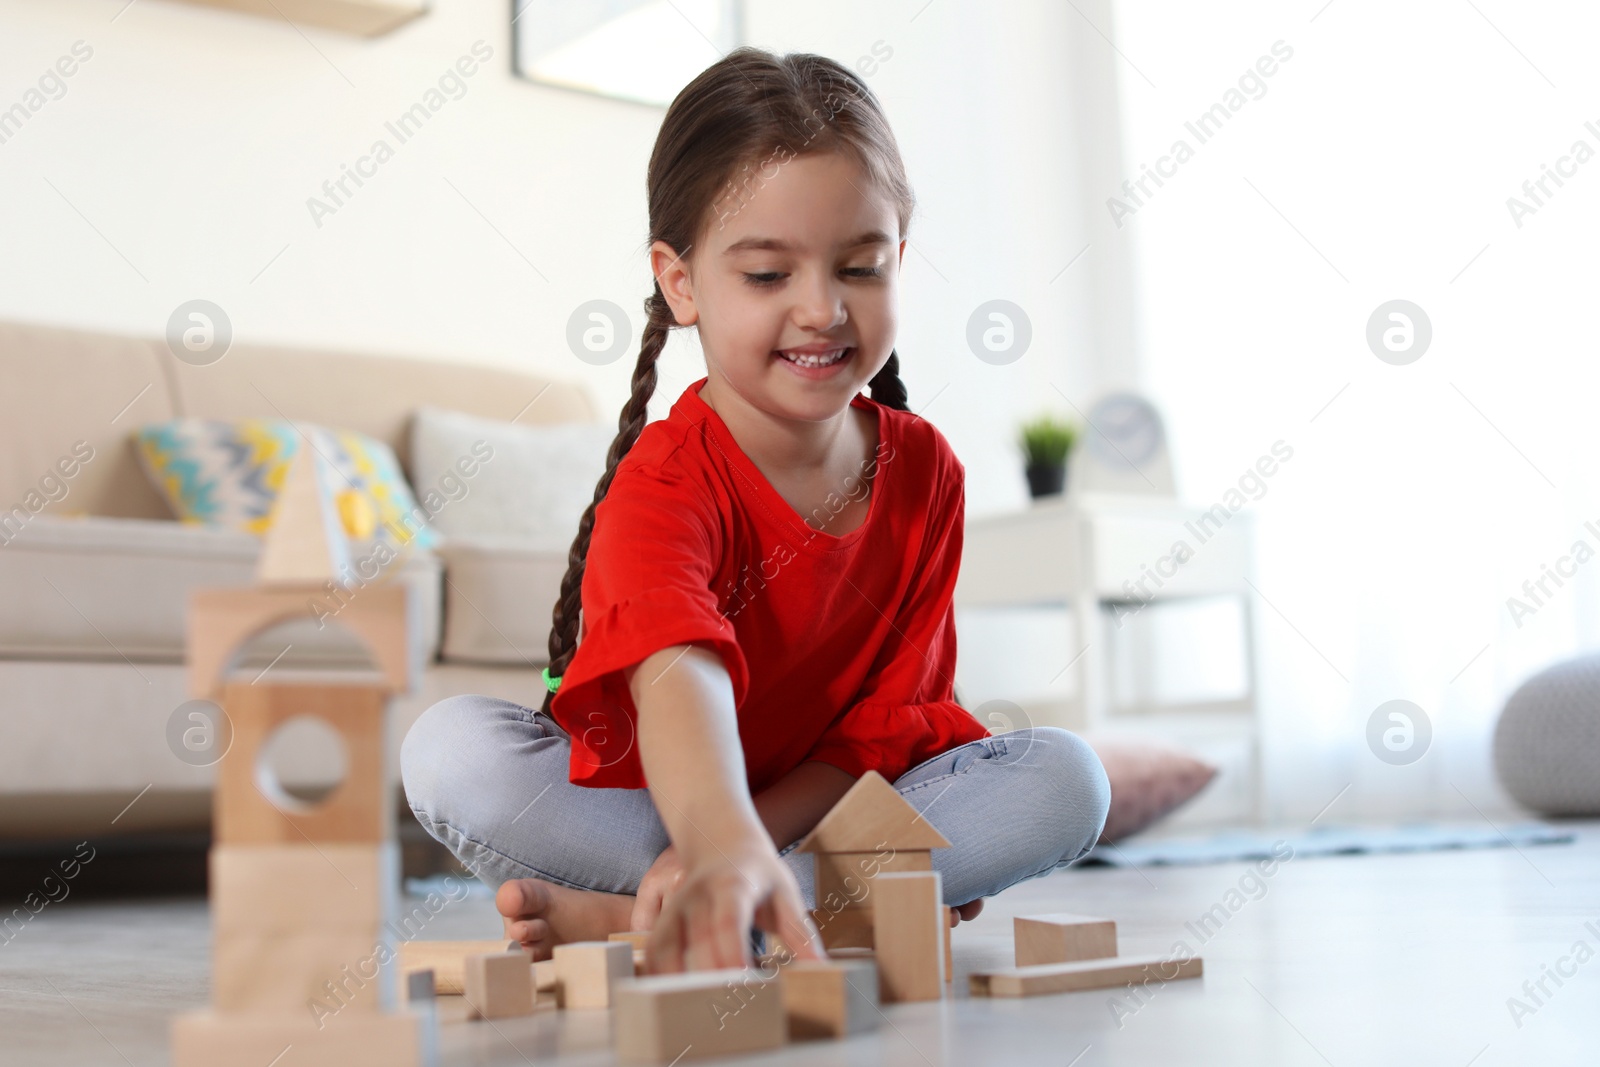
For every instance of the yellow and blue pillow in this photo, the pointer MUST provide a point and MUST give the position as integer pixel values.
(227, 473)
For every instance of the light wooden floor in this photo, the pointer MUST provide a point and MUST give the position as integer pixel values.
(1349, 960)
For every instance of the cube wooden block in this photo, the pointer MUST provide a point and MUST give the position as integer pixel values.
(906, 937)
(544, 976)
(222, 621)
(829, 998)
(337, 888)
(1062, 937)
(212, 1039)
(498, 985)
(844, 879)
(671, 1018)
(849, 927)
(447, 960)
(294, 971)
(358, 811)
(586, 971)
(1082, 974)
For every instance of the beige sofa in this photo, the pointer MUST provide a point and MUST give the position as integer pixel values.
(95, 572)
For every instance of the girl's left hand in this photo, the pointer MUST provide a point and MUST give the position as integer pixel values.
(654, 888)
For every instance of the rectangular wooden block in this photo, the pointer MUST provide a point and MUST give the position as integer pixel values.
(949, 961)
(829, 998)
(1082, 974)
(906, 935)
(337, 888)
(357, 811)
(211, 1039)
(1062, 937)
(309, 972)
(544, 976)
(844, 879)
(586, 971)
(671, 1018)
(446, 959)
(636, 938)
(498, 985)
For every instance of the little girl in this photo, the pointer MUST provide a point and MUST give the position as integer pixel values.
(765, 578)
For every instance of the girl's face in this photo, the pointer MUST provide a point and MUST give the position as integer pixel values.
(804, 260)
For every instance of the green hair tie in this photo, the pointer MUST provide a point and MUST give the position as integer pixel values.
(550, 683)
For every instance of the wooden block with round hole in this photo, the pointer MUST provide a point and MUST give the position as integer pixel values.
(249, 807)
(586, 971)
(1061, 937)
(498, 985)
(829, 998)
(674, 1018)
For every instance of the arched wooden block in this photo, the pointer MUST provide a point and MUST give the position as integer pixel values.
(221, 621)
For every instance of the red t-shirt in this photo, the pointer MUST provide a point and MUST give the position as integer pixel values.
(840, 649)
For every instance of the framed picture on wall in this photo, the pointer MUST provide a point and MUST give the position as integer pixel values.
(639, 50)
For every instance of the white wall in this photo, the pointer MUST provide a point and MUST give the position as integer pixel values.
(192, 139)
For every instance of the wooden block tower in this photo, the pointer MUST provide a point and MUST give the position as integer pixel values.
(302, 894)
(872, 830)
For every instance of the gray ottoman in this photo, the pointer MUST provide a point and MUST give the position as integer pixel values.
(1547, 742)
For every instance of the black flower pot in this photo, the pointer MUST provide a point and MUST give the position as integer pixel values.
(1046, 479)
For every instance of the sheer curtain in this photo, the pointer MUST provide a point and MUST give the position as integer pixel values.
(1375, 163)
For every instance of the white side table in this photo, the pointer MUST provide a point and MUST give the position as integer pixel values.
(1089, 553)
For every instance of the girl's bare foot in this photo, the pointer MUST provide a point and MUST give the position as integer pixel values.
(543, 915)
(966, 912)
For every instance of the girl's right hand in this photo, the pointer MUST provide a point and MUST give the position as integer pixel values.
(705, 924)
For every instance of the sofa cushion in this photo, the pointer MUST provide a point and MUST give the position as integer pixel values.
(117, 589)
(487, 478)
(227, 473)
(499, 594)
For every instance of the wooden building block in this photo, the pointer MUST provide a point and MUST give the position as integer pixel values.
(1062, 937)
(906, 936)
(305, 540)
(844, 879)
(358, 810)
(636, 938)
(214, 1039)
(1082, 974)
(545, 978)
(419, 988)
(672, 1018)
(586, 971)
(337, 888)
(829, 998)
(949, 961)
(846, 928)
(294, 971)
(872, 817)
(498, 985)
(222, 621)
(447, 960)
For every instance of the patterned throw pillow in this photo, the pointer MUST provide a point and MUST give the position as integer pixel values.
(227, 473)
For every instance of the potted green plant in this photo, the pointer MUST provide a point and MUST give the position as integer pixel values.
(1046, 443)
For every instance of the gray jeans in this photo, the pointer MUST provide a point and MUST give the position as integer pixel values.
(488, 778)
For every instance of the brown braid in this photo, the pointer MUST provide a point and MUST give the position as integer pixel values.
(717, 139)
(564, 619)
(887, 388)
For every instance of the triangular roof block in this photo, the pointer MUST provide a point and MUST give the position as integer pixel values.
(872, 815)
(305, 542)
